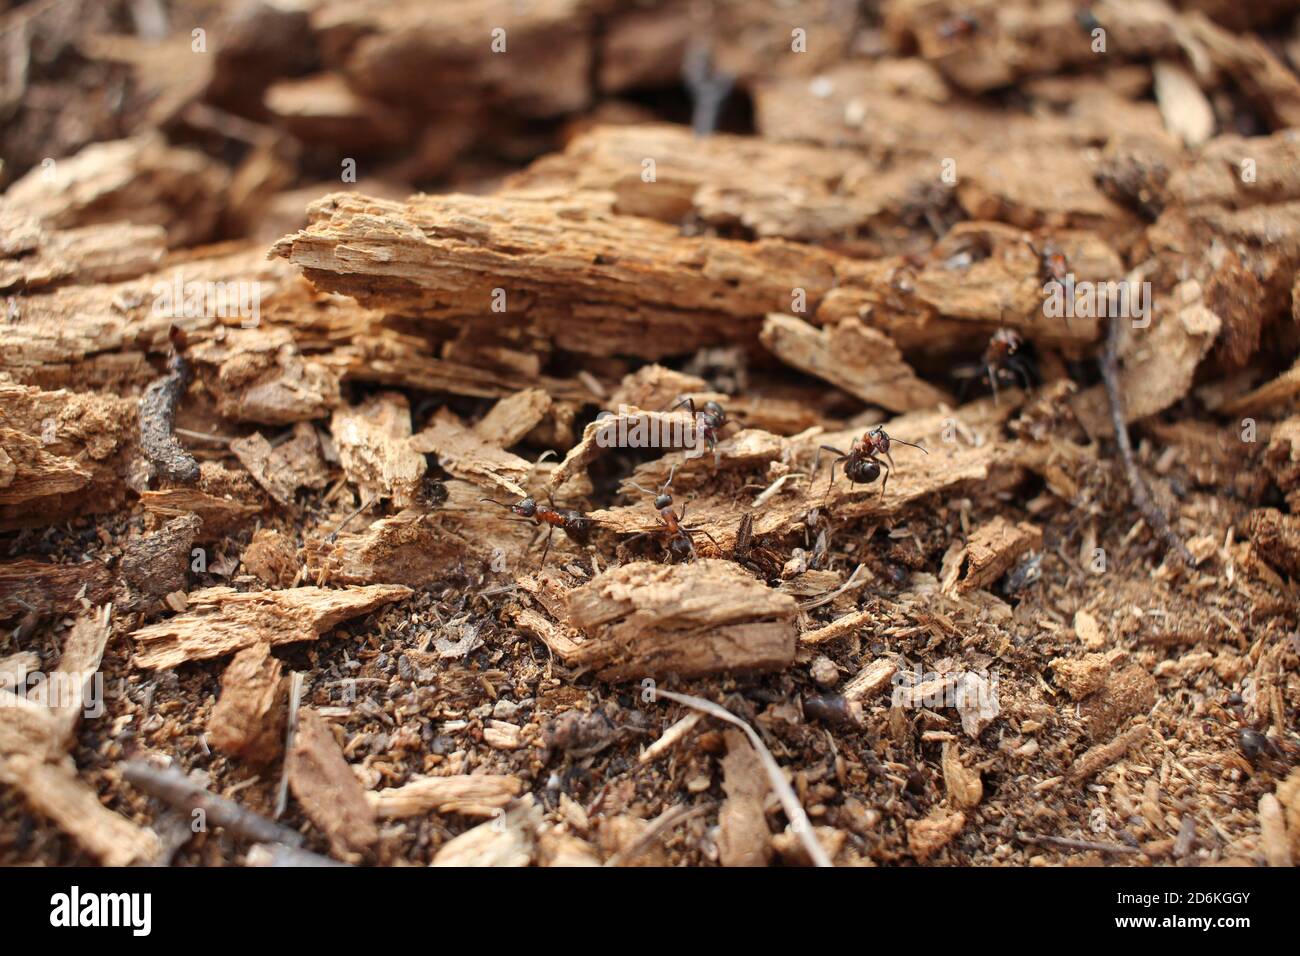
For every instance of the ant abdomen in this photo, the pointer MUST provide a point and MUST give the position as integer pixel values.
(861, 471)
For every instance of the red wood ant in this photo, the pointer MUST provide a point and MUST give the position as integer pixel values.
(863, 462)
(708, 422)
(1002, 360)
(575, 524)
(1052, 264)
(680, 543)
(962, 26)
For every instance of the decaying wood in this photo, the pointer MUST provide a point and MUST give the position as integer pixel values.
(220, 620)
(374, 446)
(743, 835)
(35, 586)
(705, 617)
(994, 547)
(283, 468)
(330, 793)
(61, 452)
(248, 719)
(158, 563)
(857, 358)
(474, 795)
(508, 840)
(1104, 754)
(142, 181)
(513, 417)
(464, 454)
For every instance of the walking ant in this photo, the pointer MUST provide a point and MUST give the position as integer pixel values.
(575, 524)
(680, 542)
(1052, 264)
(708, 422)
(1002, 360)
(863, 462)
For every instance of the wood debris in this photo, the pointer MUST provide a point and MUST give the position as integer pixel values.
(705, 617)
(743, 836)
(248, 720)
(283, 468)
(221, 620)
(328, 790)
(473, 795)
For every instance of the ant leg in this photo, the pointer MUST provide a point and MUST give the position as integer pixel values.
(884, 480)
(550, 530)
(818, 458)
(682, 517)
(334, 535)
(993, 383)
(688, 402)
(690, 531)
(1021, 367)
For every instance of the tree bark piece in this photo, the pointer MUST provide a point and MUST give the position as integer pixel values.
(220, 620)
(330, 793)
(248, 720)
(994, 547)
(704, 617)
(854, 357)
(473, 795)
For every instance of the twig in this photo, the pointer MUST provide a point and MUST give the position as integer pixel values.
(789, 801)
(1141, 494)
(172, 786)
(291, 728)
(1072, 844)
(277, 854)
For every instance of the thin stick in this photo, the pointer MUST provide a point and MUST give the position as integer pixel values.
(789, 801)
(1141, 494)
(1072, 844)
(175, 788)
(291, 728)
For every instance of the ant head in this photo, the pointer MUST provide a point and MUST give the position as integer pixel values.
(879, 437)
(663, 501)
(431, 492)
(717, 415)
(526, 507)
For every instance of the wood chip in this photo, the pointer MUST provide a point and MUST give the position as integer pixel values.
(743, 835)
(704, 617)
(473, 795)
(248, 719)
(221, 620)
(330, 793)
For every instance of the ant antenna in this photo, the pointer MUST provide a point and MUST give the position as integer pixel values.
(499, 504)
(909, 443)
(334, 535)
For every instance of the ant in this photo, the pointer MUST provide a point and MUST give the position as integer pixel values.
(863, 462)
(708, 422)
(1052, 264)
(1002, 360)
(962, 26)
(575, 524)
(680, 543)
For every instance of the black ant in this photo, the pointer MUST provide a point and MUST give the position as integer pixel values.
(708, 422)
(863, 463)
(575, 524)
(680, 543)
